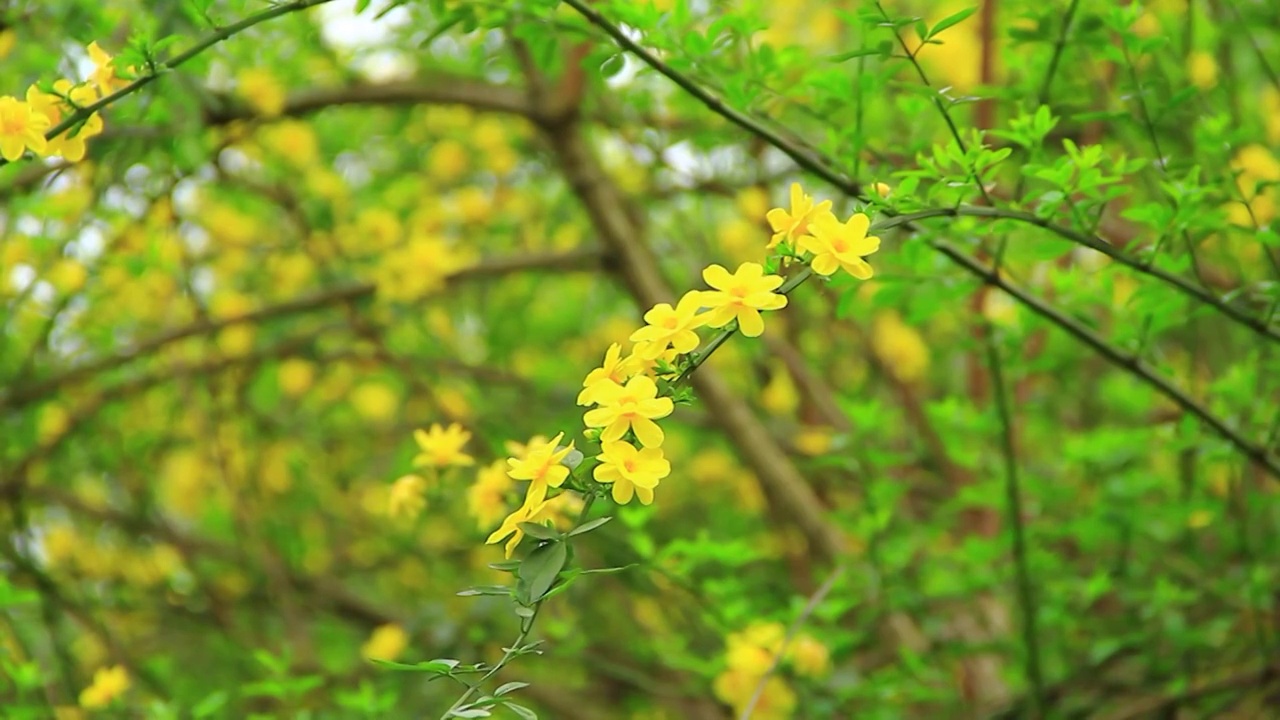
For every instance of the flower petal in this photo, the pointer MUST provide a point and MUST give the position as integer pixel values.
(825, 264)
(647, 432)
(717, 277)
(750, 323)
(622, 492)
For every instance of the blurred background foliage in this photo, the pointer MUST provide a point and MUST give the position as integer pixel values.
(219, 330)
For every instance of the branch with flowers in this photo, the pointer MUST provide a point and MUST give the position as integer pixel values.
(56, 119)
(627, 394)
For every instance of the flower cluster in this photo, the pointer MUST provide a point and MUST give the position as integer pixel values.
(635, 388)
(751, 654)
(24, 123)
(835, 245)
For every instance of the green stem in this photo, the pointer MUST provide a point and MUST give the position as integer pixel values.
(1013, 507)
(526, 627)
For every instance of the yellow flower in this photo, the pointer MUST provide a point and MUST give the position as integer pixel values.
(1202, 70)
(633, 407)
(385, 643)
(442, 447)
(669, 327)
(809, 656)
(374, 401)
(541, 466)
(792, 225)
(8, 39)
(881, 189)
(104, 70)
(262, 91)
(447, 160)
(51, 106)
(753, 650)
(632, 471)
(292, 140)
(520, 451)
(486, 498)
(407, 497)
(899, 347)
(615, 368)
(21, 127)
(777, 700)
(741, 296)
(108, 684)
(295, 376)
(1199, 519)
(527, 512)
(838, 245)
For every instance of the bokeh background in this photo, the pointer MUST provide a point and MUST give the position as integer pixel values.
(220, 328)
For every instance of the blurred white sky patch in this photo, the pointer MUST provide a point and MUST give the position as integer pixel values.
(366, 37)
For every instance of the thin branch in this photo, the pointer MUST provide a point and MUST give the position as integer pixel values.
(84, 113)
(19, 397)
(809, 607)
(820, 167)
(1013, 506)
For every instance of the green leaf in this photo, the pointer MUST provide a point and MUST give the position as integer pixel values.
(542, 567)
(362, 5)
(539, 531)
(951, 20)
(613, 65)
(210, 705)
(442, 666)
(524, 712)
(864, 52)
(509, 687)
(505, 565)
(485, 590)
(473, 712)
(588, 527)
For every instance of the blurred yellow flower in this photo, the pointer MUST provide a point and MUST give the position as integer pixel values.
(295, 376)
(447, 161)
(442, 447)
(486, 498)
(808, 656)
(407, 497)
(108, 684)
(899, 346)
(385, 643)
(262, 90)
(1202, 70)
(375, 401)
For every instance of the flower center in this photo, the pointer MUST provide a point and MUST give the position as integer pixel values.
(629, 465)
(839, 245)
(671, 322)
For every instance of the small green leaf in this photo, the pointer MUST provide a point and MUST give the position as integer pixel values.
(485, 590)
(539, 531)
(473, 712)
(588, 527)
(846, 56)
(951, 20)
(506, 565)
(442, 666)
(524, 712)
(524, 611)
(210, 705)
(612, 65)
(509, 687)
(542, 567)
